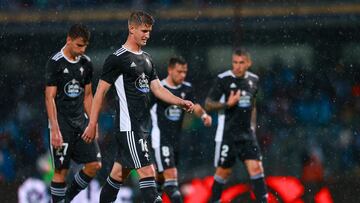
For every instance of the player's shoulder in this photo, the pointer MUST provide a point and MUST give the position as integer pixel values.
(187, 84)
(251, 76)
(57, 56)
(85, 58)
(119, 52)
(226, 74)
(147, 54)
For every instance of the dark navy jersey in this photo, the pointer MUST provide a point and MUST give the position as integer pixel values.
(70, 78)
(131, 73)
(235, 122)
(168, 118)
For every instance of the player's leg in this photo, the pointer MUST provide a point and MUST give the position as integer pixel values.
(136, 155)
(113, 183)
(159, 178)
(252, 159)
(89, 155)
(61, 163)
(220, 178)
(82, 179)
(58, 185)
(165, 162)
(171, 187)
(224, 160)
(148, 185)
(256, 173)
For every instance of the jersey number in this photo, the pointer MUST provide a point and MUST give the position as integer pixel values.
(224, 150)
(62, 151)
(165, 151)
(143, 144)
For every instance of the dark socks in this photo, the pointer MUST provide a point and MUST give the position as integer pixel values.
(172, 190)
(110, 190)
(149, 191)
(259, 187)
(58, 191)
(80, 182)
(217, 189)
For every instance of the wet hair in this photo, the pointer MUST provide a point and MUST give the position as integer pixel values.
(242, 52)
(140, 17)
(176, 60)
(79, 30)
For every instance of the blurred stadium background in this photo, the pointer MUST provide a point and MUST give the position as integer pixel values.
(307, 54)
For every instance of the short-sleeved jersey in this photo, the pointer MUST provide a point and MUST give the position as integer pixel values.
(235, 123)
(167, 118)
(131, 73)
(70, 78)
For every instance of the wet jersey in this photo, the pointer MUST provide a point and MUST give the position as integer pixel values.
(167, 118)
(235, 123)
(131, 73)
(70, 78)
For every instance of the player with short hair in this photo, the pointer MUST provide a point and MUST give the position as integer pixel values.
(233, 96)
(167, 121)
(68, 98)
(131, 71)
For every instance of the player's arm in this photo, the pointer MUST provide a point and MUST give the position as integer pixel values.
(201, 113)
(88, 97)
(165, 95)
(90, 131)
(253, 117)
(233, 99)
(55, 134)
(213, 103)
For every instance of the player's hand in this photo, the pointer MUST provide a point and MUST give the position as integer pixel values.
(187, 105)
(233, 98)
(89, 133)
(56, 138)
(206, 119)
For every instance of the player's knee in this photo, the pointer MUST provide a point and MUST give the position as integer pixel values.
(170, 173)
(147, 171)
(224, 173)
(59, 175)
(256, 169)
(93, 167)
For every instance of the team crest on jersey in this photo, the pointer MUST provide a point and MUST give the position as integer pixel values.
(142, 83)
(173, 113)
(73, 89)
(183, 95)
(245, 100)
(81, 70)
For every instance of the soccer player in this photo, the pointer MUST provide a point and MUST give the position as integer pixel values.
(68, 98)
(233, 96)
(132, 72)
(167, 121)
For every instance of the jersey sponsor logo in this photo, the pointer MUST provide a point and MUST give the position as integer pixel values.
(245, 100)
(66, 70)
(173, 113)
(142, 83)
(233, 85)
(73, 89)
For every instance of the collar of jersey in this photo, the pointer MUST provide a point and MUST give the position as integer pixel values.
(169, 86)
(137, 53)
(246, 75)
(70, 61)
